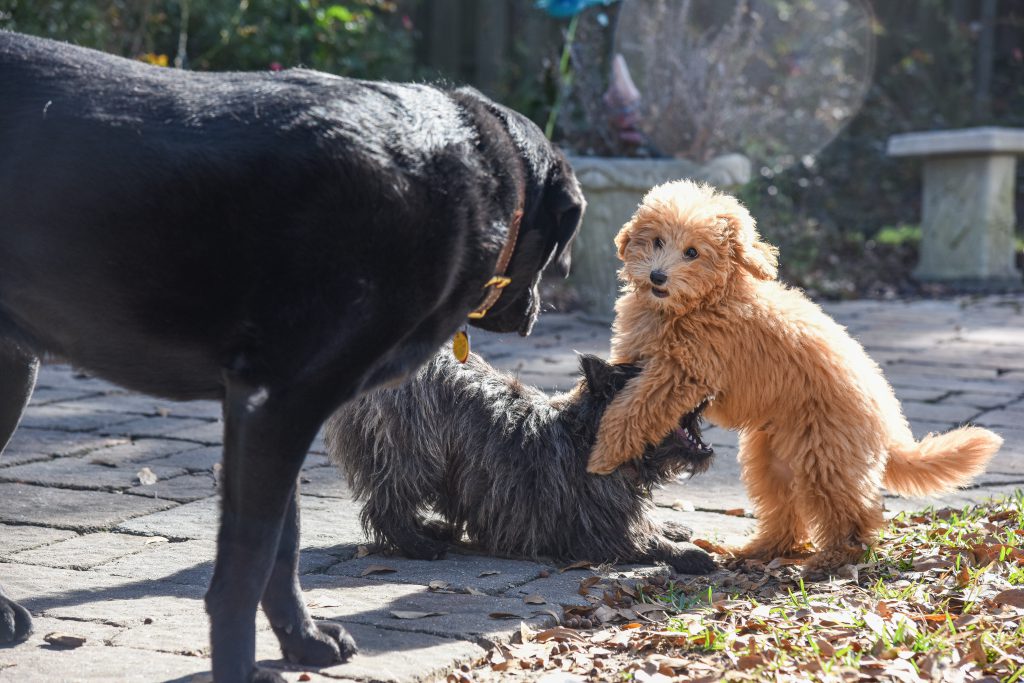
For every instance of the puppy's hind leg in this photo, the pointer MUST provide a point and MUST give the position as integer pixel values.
(839, 495)
(769, 480)
(17, 379)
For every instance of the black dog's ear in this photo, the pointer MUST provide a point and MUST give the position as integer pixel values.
(597, 371)
(564, 205)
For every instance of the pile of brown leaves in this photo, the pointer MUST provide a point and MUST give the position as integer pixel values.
(941, 598)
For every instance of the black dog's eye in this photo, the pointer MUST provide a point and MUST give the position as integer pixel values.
(658, 243)
(690, 253)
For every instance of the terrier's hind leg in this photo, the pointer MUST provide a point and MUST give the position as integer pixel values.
(17, 379)
(392, 516)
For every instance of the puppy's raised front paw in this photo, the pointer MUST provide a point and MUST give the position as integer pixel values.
(601, 461)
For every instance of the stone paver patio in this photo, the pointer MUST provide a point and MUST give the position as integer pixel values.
(93, 552)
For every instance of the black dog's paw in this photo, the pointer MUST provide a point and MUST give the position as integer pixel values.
(322, 645)
(674, 531)
(15, 621)
(689, 559)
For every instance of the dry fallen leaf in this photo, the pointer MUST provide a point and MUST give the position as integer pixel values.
(1013, 596)
(736, 512)
(146, 477)
(410, 614)
(362, 551)
(581, 564)
(377, 569)
(438, 585)
(505, 615)
(487, 572)
(64, 641)
(535, 599)
(709, 546)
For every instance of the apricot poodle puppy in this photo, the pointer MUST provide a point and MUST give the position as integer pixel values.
(820, 428)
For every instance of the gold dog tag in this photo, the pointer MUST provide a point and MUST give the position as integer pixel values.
(460, 346)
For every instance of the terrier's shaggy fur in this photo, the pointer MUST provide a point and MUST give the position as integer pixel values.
(507, 464)
(820, 428)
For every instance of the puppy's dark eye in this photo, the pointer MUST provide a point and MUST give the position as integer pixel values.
(658, 243)
(690, 253)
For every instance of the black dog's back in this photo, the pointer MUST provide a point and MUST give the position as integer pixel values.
(503, 462)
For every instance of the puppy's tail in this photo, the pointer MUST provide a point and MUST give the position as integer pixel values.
(939, 463)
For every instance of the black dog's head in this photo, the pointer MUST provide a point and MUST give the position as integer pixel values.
(682, 451)
(552, 208)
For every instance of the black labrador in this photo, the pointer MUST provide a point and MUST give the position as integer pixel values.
(281, 242)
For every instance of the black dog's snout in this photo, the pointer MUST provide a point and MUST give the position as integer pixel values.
(658, 277)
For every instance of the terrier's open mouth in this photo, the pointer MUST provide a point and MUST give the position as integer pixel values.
(660, 293)
(689, 430)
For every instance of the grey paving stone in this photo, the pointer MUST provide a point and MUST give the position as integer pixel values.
(197, 459)
(96, 663)
(15, 538)
(208, 433)
(1005, 417)
(939, 412)
(84, 552)
(402, 657)
(182, 489)
(141, 427)
(82, 472)
(63, 417)
(59, 375)
(458, 570)
(141, 404)
(197, 520)
(325, 482)
(71, 509)
(141, 450)
(326, 523)
(30, 445)
(371, 602)
(45, 395)
(979, 401)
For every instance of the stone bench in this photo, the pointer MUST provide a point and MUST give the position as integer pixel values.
(967, 221)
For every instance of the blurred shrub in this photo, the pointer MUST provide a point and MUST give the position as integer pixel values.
(363, 38)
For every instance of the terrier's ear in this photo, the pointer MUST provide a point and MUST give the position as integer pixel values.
(597, 372)
(758, 257)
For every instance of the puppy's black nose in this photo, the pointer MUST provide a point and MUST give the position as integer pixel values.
(658, 277)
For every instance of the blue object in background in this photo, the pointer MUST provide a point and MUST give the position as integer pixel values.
(563, 9)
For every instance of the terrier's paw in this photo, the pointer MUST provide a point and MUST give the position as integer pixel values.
(689, 559)
(15, 621)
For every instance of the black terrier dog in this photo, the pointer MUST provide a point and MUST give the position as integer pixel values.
(507, 464)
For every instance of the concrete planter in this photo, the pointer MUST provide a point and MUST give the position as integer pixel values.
(613, 188)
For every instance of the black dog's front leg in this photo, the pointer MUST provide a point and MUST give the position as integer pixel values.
(302, 640)
(17, 379)
(266, 435)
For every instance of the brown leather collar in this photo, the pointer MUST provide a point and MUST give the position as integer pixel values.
(497, 284)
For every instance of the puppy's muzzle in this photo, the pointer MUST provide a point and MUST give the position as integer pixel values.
(658, 277)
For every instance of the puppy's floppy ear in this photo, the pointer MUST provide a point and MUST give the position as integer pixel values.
(623, 237)
(564, 205)
(758, 257)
